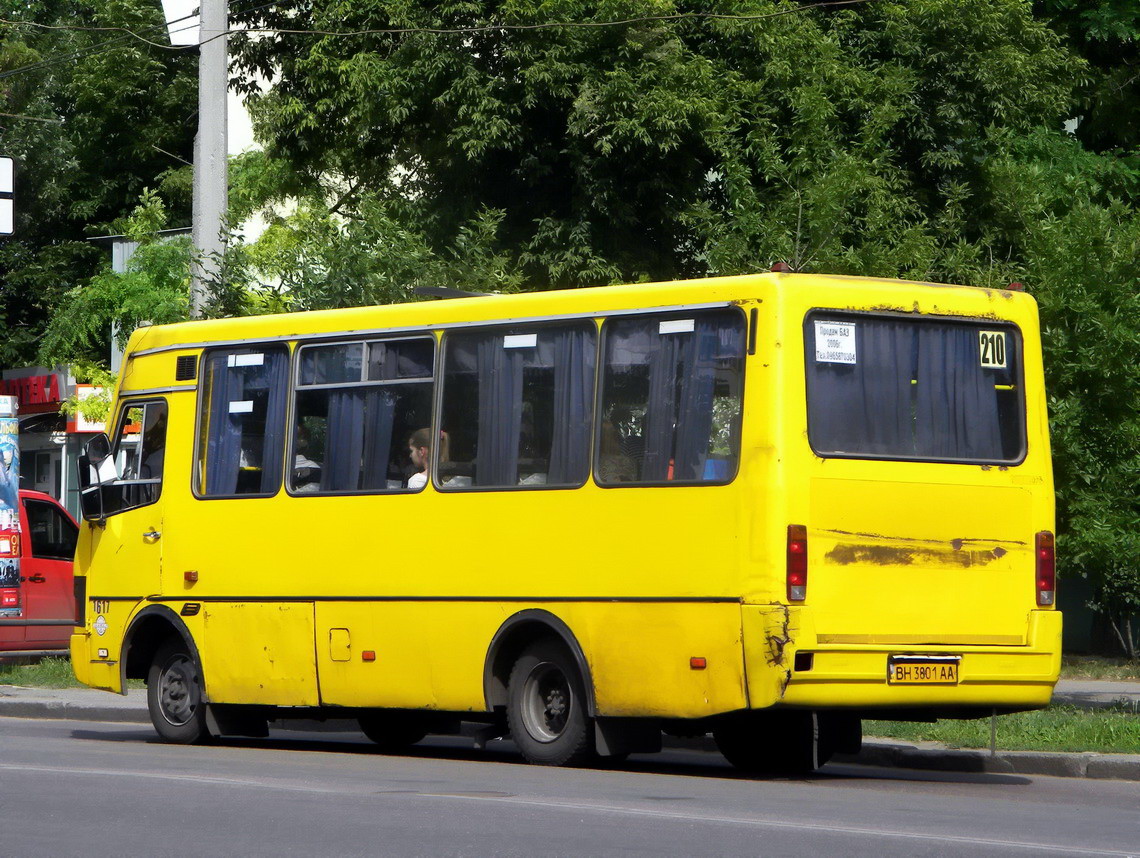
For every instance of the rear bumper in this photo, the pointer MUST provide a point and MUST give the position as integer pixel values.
(855, 675)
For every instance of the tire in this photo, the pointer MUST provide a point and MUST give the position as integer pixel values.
(773, 743)
(391, 732)
(174, 695)
(546, 708)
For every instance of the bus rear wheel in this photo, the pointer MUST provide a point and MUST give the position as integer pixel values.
(174, 695)
(773, 743)
(546, 708)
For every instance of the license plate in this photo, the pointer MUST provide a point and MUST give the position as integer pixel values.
(922, 670)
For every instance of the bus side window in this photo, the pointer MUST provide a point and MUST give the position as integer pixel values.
(518, 406)
(671, 398)
(242, 425)
(357, 404)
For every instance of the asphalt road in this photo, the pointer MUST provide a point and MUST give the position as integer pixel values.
(94, 788)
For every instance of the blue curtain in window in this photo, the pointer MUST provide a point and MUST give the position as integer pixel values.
(274, 375)
(500, 373)
(344, 441)
(865, 407)
(265, 385)
(574, 356)
(956, 413)
(223, 447)
(661, 409)
(708, 342)
(380, 414)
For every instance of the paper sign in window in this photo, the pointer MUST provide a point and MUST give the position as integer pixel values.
(675, 326)
(520, 341)
(835, 342)
(241, 406)
(257, 359)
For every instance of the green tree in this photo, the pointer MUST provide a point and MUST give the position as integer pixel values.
(1062, 216)
(92, 118)
(324, 247)
(1106, 33)
(660, 148)
(154, 289)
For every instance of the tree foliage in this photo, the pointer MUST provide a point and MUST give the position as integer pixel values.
(661, 148)
(154, 289)
(1106, 33)
(325, 246)
(92, 118)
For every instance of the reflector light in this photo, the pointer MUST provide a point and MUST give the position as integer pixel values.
(1016, 287)
(782, 268)
(797, 563)
(9, 598)
(191, 575)
(368, 655)
(1046, 568)
(697, 663)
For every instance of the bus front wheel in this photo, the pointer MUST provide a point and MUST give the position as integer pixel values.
(174, 696)
(546, 709)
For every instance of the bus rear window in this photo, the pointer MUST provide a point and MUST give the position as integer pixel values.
(927, 389)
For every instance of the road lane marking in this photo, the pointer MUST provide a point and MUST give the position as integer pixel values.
(554, 804)
(179, 778)
(768, 823)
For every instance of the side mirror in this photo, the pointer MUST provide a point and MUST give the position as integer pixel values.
(90, 496)
(100, 468)
(96, 469)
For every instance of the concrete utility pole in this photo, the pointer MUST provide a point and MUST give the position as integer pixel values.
(210, 179)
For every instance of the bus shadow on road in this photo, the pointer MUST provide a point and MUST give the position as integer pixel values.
(675, 763)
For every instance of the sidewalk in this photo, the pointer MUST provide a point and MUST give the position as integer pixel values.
(87, 704)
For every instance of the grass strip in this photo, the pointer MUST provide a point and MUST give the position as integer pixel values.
(1099, 667)
(45, 673)
(1112, 730)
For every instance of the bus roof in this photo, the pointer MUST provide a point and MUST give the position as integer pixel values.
(871, 292)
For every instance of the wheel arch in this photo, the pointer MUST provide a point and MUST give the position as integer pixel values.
(149, 629)
(514, 635)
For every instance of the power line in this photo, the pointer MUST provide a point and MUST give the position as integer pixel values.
(109, 44)
(446, 31)
(127, 33)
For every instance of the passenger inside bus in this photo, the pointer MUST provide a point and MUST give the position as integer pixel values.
(419, 449)
(306, 468)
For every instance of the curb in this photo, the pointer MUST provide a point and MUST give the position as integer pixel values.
(1057, 764)
(875, 752)
(65, 711)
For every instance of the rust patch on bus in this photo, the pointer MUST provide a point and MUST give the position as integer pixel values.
(886, 555)
(891, 551)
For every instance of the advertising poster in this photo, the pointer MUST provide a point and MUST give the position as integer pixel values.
(9, 500)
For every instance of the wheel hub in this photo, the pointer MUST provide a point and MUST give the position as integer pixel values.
(177, 693)
(547, 700)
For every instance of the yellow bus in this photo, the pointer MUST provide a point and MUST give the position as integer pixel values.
(762, 507)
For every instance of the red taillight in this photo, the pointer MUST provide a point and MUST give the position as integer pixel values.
(797, 562)
(9, 598)
(1046, 568)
